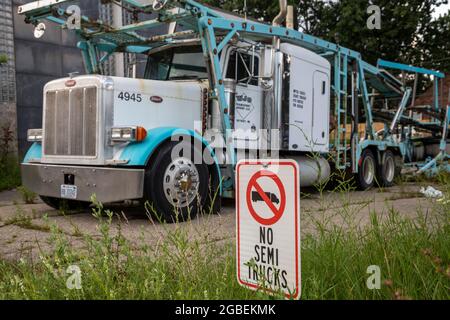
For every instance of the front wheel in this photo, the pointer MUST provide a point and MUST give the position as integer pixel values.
(176, 186)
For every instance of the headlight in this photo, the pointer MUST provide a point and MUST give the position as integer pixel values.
(34, 135)
(128, 134)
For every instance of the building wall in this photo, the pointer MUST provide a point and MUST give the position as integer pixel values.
(8, 122)
(39, 61)
(52, 56)
(427, 98)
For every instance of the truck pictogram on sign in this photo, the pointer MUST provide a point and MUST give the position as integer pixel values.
(268, 226)
(272, 197)
(255, 185)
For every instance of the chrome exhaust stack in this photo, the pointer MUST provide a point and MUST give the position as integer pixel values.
(281, 17)
(278, 21)
(290, 17)
(277, 77)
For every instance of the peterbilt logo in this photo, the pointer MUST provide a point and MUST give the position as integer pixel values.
(70, 83)
(156, 99)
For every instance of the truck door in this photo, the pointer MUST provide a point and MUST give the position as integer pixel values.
(301, 105)
(321, 96)
(244, 67)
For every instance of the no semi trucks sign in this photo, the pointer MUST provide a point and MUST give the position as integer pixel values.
(268, 226)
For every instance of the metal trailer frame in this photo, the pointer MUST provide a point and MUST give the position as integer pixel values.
(215, 29)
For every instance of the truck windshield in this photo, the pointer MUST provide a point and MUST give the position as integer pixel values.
(176, 64)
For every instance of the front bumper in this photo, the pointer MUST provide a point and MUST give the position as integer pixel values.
(108, 184)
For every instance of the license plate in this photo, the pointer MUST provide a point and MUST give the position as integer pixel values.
(68, 191)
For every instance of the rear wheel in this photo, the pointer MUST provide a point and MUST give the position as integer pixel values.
(387, 170)
(64, 204)
(367, 170)
(176, 186)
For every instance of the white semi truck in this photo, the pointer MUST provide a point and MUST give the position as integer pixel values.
(217, 88)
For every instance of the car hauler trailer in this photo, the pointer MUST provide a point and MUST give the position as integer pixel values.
(231, 87)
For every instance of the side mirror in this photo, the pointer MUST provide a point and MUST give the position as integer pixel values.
(39, 30)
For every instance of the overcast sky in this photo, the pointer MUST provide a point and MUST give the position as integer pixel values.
(442, 10)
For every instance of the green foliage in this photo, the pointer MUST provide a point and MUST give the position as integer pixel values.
(28, 196)
(406, 29)
(414, 262)
(258, 9)
(436, 46)
(408, 33)
(9, 173)
(113, 268)
(9, 165)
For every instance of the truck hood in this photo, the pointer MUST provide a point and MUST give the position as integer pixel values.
(152, 103)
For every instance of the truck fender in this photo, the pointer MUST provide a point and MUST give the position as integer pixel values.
(139, 154)
(34, 153)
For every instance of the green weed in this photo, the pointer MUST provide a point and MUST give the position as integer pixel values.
(28, 196)
(9, 173)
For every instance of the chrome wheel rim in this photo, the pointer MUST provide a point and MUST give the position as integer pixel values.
(368, 170)
(181, 182)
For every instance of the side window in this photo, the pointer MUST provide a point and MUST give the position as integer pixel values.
(243, 68)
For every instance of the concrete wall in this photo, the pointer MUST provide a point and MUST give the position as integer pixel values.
(427, 98)
(39, 61)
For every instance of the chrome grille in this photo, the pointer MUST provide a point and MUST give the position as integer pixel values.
(70, 122)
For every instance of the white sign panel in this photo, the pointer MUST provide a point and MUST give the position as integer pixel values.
(268, 226)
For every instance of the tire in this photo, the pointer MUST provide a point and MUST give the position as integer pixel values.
(64, 204)
(177, 189)
(387, 170)
(367, 170)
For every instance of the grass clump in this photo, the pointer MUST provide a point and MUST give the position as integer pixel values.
(28, 196)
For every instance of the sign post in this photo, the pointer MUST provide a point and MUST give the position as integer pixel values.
(268, 226)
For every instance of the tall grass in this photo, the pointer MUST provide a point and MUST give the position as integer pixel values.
(9, 164)
(413, 256)
(414, 260)
(114, 268)
(9, 173)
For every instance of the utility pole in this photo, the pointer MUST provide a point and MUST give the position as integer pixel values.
(117, 22)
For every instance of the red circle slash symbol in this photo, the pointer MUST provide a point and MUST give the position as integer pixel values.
(277, 213)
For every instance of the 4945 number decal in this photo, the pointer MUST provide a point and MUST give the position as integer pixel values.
(126, 96)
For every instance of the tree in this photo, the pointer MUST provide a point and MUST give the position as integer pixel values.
(259, 9)
(404, 24)
(315, 16)
(408, 32)
(436, 45)
(407, 27)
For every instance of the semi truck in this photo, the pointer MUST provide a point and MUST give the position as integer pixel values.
(217, 88)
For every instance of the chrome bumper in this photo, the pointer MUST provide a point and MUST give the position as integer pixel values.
(108, 184)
